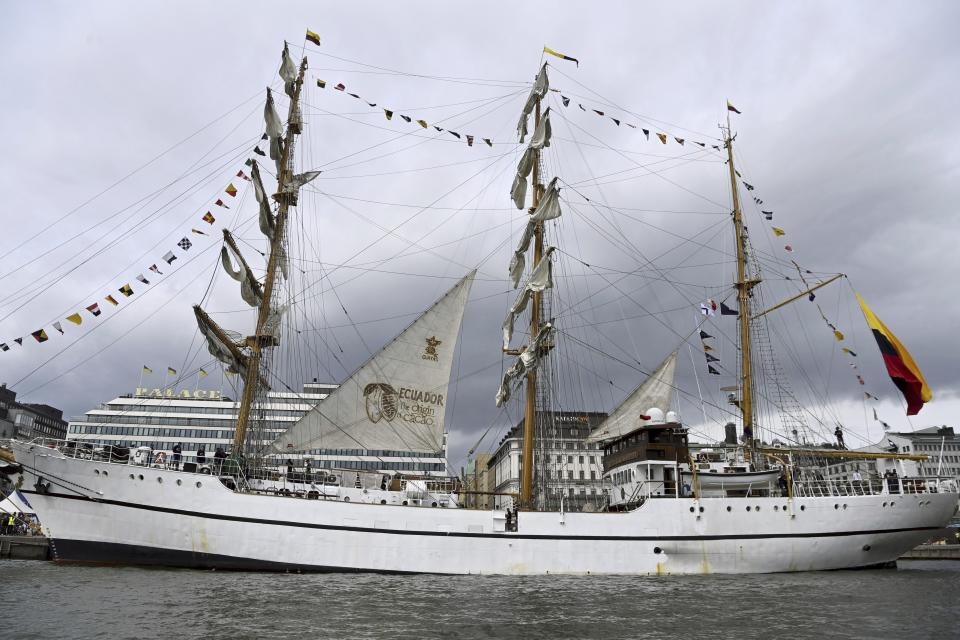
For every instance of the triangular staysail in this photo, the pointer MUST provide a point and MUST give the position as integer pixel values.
(655, 391)
(397, 400)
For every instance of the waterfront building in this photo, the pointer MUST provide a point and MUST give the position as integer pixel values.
(26, 420)
(565, 465)
(478, 481)
(162, 418)
(940, 444)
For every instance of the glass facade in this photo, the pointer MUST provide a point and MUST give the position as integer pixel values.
(205, 419)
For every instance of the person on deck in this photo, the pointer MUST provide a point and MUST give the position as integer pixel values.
(176, 456)
(782, 482)
(219, 456)
(839, 433)
(201, 455)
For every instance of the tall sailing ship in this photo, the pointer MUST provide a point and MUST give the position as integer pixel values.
(760, 509)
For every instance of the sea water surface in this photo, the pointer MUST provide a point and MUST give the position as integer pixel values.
(919, 600)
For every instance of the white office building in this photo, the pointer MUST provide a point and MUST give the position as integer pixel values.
(162, 418)
(565, 465)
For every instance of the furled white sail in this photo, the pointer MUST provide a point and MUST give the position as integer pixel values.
(215, 346)
(250, 289)
(272, 120)
(397, 399)
(299, 180)
(654, 392)
(518, 261)
(524, 364)
(549, 206)
(518, 191)
(540, 278)
(288, 71)
(266, 216)
(543, 132)
(540, 87)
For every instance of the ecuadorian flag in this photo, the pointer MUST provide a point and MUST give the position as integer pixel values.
(900, 365)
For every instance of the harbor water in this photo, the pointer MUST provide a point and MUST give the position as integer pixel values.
(919, 600)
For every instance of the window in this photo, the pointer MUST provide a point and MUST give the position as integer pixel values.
(581, 460)
(569, 459)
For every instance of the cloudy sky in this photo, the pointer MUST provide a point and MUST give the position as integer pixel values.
(124, 124)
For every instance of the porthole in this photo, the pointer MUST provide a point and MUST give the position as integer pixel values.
(757, 507)
(748, 508)
(404, 503)
(844, 506)
(803, 507)
(179, 482)
(836, 506)
(346, 498)
(691, 509)
(884, 504)
(866, 547)
(96, 472)
(729, 508)
(784, 507)
(106, 473)
(131, 476)
(383, 502)
(657, 550)
(775, 507)
(701, 509)
(140, 477)
(199, 484)
(433, 504)
(893, 504)
(159, 480)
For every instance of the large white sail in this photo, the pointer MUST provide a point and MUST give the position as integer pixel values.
(397, 399)
(655, 391)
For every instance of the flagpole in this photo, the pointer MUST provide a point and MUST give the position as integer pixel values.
(140, 381)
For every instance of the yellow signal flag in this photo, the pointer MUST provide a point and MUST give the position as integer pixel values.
(147, 369)
(171, 371)
(313, 37)
(663, 137)
(423, 123)
(778, 231)
(75, 318)
(560, 55)
(232, 190)
(838, 335)
(203, 374)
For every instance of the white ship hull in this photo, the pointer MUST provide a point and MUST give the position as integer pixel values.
(105, 513)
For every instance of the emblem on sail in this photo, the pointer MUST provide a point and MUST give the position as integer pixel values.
(430, 352)
(380, 401)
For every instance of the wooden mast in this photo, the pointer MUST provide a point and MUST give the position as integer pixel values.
(530, 414)
(743, 298)
(259, 340)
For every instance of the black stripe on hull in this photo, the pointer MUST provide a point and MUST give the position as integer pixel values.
(510, 536)
(68, 551)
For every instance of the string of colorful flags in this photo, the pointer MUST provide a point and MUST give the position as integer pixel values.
(203, 373)
(127, 289)
(664, 138)
(389, 113)
(709, 309)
